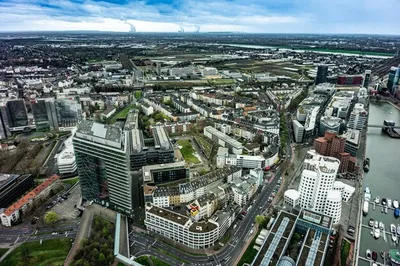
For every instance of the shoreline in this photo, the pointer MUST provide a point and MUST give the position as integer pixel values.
(392, 104)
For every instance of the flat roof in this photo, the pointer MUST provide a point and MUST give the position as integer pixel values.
(223, 137)
(169, 215)
(102, 131)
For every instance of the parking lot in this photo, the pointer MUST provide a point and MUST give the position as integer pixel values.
(66, 208)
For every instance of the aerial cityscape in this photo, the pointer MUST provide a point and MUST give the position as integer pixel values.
(163, 137)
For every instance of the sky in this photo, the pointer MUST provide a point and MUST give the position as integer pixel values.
(250, 16)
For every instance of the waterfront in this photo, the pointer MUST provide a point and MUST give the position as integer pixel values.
(383, 178)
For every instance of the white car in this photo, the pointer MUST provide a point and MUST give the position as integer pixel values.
(54, 233)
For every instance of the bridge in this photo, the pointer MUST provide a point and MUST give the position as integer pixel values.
(383, 126)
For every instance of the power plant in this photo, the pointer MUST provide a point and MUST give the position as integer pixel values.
(133, 28)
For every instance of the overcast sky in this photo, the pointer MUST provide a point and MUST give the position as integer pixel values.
(260, 16)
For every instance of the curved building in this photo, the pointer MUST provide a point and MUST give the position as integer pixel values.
(333, 205)
(291, 197)
(329, 123)
(286, 261)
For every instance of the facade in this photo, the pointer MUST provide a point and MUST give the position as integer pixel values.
(298, 130)
(4, 124)
(13, 186)
(39, 111)
(17, 115)
(69, 111)
(242, 161)
(367, 77)
(169, 172)
(358, 117)
(345, 190)
(333, 205)
(322, 74)
(393, 79)
(291, 197)
(223, 140)
(329, 123)
(352, 141)
(102, 158)
(246, 186)
(180, 228)
(35, 197)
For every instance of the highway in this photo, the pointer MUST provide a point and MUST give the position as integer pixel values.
(146, 244)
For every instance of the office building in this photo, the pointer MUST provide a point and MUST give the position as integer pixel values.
(182, 229)
(16, 113)
(345, 190)
(333, 205)
(352, 143)
(366, 79)
(13, 186)
(275, 248)
(162, 173)
(291, 198)
(160, 151)
(4, 124)
(102, 157)
(340, 104)
(298, 130)
(244, 187)
(242, 161)
(223, 140)
(350, 80)
(393, 79)
(322, 74)
(329, 123)
(69, 111)
(358, 117)
(40, 114)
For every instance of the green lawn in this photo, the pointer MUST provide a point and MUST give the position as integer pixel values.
(144, 260)
(2, 251)
(250, 252)
(222, 81)
(138, 94)
(188, 151)
(70, 181)
(50, 252)
(121, 114)
(158, 262)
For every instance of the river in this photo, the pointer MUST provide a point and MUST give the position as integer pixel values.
(383, 178)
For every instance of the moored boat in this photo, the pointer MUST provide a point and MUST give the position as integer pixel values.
(376, 224)
(395, 204)
(386, 209)
(382, 254)
(398, 229)
(392, 228)
(371, 222)
(368, 253)
(377, 233)
(374, 255)
(365, 208)
(396, 212)
(381, 225)
(377, 199)
(389, 203)
(383, 201)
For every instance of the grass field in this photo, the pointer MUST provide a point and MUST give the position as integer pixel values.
(250, 252)
(70, 181)
(144, 260)
(3, 251)
(188, 151)
(50, 252)
(121, 114)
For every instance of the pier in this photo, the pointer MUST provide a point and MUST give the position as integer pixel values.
(388, 127)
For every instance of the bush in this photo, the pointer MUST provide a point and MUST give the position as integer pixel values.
(344, 253)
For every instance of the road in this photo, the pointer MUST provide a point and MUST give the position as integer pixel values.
(146, 244)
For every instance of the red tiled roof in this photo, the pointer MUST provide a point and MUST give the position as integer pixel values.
(31, 195)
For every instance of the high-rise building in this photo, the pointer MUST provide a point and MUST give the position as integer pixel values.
(322, 74)
(393, 79)
(16, 113)
(329, 123)
(358, 117)
(4, 124)
(367, 77)
(103, 165)
(69, 111)
(40, 114)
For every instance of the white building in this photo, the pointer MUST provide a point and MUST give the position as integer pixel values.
(146, 108)
(352, 141)
(358, 117)
(292, 197)
(244, 187)
(223, 140)
(317, 191)
(345, 190)
(180, 228)
(333, 205)
(242, 161)
(298, 130)
(66, 158)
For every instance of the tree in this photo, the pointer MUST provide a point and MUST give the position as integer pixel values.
(51, 217)
(25, 253)
(261, 220)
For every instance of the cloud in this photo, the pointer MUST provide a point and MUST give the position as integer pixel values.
(291, 16)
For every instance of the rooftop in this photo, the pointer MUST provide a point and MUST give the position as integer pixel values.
(169, 215)
(88, 128)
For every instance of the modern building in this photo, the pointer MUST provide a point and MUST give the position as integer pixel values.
(162, 173)
(298, 130)
(275, 248)
(182, 229)
(13, 186)
(66, 162)
(340, 104)
(366, 79)
(329, 123)
(40, 117)
(4, 124)
(242, 161)
(322, 74)
(31, 200)
(17, 115)
(345, 190)
(317, 191)
(69, 111)
(159, 151)
(350, 80)
(223, 140)
(291, 198)
(102, 157)
(393, 79)
(352, 144)
(358, 117)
